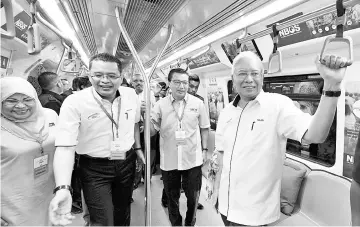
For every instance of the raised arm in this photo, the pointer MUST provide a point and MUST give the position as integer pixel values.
(332, 71)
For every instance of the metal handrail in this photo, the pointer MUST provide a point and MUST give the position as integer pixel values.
(339, 37)
(147, 112)
(328, 9)
(65, 40)
(10, 25)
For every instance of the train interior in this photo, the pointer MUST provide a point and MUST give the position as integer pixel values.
(205, 40)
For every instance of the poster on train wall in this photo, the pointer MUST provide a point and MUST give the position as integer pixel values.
(352, 125)
(318, 27)
(22, 22)
(208, 58)
(215, 96)
(232, 49)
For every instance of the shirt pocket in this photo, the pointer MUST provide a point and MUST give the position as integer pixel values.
(259, 127)
(129, 115)
(190, 120)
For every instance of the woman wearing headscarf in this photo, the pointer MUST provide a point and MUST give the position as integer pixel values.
(27, 150)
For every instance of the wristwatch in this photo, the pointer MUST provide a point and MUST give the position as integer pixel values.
(331, 93)
(68, 187)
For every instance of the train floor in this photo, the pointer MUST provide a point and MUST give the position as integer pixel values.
(159, 215)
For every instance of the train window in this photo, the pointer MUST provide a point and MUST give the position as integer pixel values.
(306, 96)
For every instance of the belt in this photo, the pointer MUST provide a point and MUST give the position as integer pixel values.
(128, 153)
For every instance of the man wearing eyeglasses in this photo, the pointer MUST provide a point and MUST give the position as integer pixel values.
(101, 122)
(251, 139)
(184, 125)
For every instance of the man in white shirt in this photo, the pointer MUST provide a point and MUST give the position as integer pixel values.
(251, 139)
(101, 123)
(183, 124)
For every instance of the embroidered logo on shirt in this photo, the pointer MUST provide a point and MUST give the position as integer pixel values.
(94, 116)
(193, 110)
(260, 119)
(51, 124)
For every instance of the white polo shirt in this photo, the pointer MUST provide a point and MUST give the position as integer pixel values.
(254, 143)
(82, 122)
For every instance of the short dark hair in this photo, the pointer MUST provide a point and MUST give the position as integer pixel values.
(46, 80)
(176, 70)
(80, 82)
(163, 85)
(106, 58)
(194, 77)
(124, 83)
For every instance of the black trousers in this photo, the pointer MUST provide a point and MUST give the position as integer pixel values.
(76, 182)
(107, 186)
(192, 179)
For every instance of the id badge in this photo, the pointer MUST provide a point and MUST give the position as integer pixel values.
(180, 137)
(41, 165)
(117, 153)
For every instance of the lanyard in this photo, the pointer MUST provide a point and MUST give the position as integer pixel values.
(39, 139)
(109, 116)
(177, 114)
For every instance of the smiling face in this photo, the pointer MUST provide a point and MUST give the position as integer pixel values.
(105, 78)
(18, 106)
(247, 75)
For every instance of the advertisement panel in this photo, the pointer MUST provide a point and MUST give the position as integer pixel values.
(352, 125)
(215, 96)
(208, 58)
(22, 22)
(317, 27)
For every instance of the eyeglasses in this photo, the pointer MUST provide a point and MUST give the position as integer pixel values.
(178, 83)
(111, 76)
(244, 74)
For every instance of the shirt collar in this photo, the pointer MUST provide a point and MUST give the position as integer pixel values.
(260, 98)
(185, 99)
(97, 96)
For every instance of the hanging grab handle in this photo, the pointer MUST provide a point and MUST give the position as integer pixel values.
(275, 52)
(10, 25)
(33, 33)
(339, 37)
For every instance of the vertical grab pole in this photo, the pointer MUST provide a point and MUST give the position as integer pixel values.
(147, 113)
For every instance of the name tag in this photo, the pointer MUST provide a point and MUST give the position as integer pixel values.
(117, 153)
(41, 165)
(180, 137)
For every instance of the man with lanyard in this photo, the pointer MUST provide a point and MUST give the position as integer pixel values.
(251, 139)
(183, 124)
(101, 122)
(194, 83)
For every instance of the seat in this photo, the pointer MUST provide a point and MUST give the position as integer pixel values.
(324, 200)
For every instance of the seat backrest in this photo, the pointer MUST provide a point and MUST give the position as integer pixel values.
(325, 198)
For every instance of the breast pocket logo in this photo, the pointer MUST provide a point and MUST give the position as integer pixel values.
(94, 116)
(193, 110)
